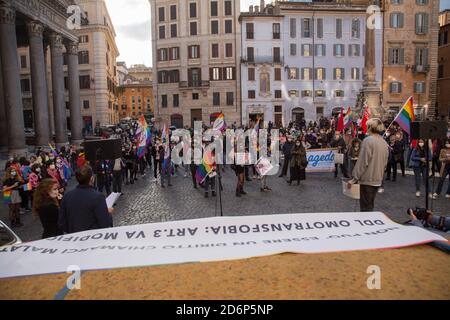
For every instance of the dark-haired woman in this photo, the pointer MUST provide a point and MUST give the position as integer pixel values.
(46, 207)
(298, 163)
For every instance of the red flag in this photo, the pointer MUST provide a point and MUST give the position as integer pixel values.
(364, 120)
(340, 126)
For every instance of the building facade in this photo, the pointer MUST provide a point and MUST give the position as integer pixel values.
(307, 60)
(136, 93)
(98, 67)
(196, 52)
(443, 82)
(410, 58)
(41, 28)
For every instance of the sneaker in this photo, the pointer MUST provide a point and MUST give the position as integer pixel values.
(418, 194)
(447, 196)
(268, 189)
(435, 195)
(263, 189)
(380, 190)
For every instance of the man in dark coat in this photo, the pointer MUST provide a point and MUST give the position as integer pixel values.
(84, 208)
(287, 149)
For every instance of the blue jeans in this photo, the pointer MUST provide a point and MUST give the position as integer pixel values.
(442, 179)
(418, 172)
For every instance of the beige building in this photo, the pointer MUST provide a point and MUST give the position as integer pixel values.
(410, 68)
(97, 66)
(196, 58)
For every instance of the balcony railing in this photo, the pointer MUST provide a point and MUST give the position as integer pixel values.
(421, 68)
(263, 59)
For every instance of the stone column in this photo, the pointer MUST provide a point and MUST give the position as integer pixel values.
(3, 123)
(74, 93)
(11, 72)
(59, 108)
(38, 82)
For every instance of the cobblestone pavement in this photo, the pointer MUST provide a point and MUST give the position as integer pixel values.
(147, 202)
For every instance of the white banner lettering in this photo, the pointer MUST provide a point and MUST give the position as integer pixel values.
(320, 160)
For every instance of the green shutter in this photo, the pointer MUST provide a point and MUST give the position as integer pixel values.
(402, 56)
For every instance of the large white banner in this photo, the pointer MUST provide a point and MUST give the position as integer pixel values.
(210, 239)
(320, 160)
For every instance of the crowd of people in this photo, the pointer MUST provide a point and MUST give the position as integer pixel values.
(38, 183)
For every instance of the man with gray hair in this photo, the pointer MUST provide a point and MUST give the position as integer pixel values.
(371, 164)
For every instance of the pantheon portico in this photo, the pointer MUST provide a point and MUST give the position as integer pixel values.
(39, 25)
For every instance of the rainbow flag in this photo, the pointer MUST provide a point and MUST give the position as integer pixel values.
(204, 168)
(7, 197)
(28, 187)
(219, 123)
(348, 118)
(142, 134)
(406, 116)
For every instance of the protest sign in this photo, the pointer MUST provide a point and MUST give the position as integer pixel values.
(320, 160)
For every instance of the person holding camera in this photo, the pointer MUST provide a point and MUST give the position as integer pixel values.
(370, 166)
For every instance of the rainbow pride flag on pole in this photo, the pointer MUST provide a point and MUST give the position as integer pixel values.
(406, 116)
(348, 118)
(204, 168)
(142, 134)
(219, 123)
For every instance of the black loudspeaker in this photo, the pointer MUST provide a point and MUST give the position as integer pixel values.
(109, 149)
(428, 130)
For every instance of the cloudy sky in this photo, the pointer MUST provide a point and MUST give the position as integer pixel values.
(131, 19)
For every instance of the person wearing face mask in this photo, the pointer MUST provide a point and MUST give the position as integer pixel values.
(339, 143)
(46, 207)
(353, 152)
(397, 151)
(287, 152)
(34, 178)
(53, 173)
(298, 163)
(444, 158)
(11, 196)
(418, 163)
(84, 208)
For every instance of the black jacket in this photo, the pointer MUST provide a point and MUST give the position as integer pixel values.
(83, 209)
(287, 149)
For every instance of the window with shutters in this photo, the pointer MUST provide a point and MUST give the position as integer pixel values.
(339, 50)
(421, 23)
(174, 53)
(355, 73)
(194, 52)
(216, 98)
(251, 94)
(83, 57)
(396, 56)
(354, 50)
(293, 27)
(193, 10)
(162, 32)
(278, 94)
(250, 54)
(250, 31)
(338, 28)
(319, 28)
(320, 74)
(251, 74)
(421, 56)
(164, 101)
(84, 39)
(293, 93)
(214, 10)
(264, 82)
(161, 13)
(397, 20)
(293, 49)
(306, 93)
(306, 74)
(277, 74)
(306, 28)
(228, 50)
(193, 28)
(216, 74)
(215, 50)
(173, 12)
(230, 98)
(276, 31)
(276, 54)
(419, 87)
(293, 74)
(306, 50)
(194, 77)
(339, 73)
(228, 26)
(229, 73)
(228, 8)
(339, 93)
(214, 27)
(176, 100)
(85, 82)
(319, 50)
(422, 2)
(356, 28)
(23, 62)
(173, 30)
(395, 87)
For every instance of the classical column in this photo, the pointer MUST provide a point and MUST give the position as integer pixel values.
(59, 108)
(11, 85)
(38, 82)
(74, 93)
(3, 123)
